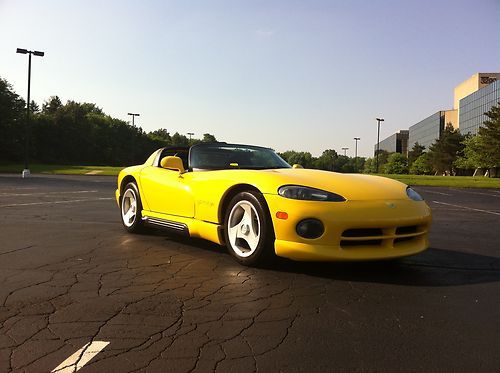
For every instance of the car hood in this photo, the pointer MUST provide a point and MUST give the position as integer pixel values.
(350, 186)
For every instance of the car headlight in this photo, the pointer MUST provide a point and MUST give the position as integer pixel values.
(413, 195)
(308, 194)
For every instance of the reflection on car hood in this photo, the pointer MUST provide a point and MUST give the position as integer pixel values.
(350, 186)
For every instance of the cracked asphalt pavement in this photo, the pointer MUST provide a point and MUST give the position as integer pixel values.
(70, 275)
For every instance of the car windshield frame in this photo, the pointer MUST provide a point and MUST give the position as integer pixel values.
(224, 156)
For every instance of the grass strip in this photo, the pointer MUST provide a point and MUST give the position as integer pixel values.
(36, 168)
(448, 181)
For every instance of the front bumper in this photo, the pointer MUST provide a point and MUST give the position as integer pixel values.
(354, 230)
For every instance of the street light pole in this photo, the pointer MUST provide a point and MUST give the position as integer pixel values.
(134, 153)
(133, 117)
(345, 151)
(356, 139)
(27, 145)
(378, 138)
(190, 134)
(26, 170)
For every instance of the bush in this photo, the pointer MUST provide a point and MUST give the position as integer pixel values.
(396, 164)
(421, 165)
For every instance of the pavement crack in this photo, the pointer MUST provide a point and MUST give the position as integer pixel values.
(15, 250)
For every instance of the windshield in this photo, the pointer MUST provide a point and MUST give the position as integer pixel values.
(227, 156)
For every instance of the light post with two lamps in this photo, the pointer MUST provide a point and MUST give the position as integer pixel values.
(133, 117)
(26, 170)
(356, 139)
(133, 125)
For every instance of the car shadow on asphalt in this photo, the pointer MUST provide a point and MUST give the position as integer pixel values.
(433, 267)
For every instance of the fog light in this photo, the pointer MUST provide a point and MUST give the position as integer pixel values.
(310, 228)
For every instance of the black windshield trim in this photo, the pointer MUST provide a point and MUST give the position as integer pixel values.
(225, 144)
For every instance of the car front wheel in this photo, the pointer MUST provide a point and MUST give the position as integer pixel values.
(131, 208)
(248, 229)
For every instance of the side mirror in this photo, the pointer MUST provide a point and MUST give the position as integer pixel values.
(172, 163)
(296, 165)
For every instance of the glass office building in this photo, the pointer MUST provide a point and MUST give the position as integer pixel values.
(396, 143)
(473, 107)
(472, 98)
(427, 131)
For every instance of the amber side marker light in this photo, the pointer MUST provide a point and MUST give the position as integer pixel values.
(282, 215)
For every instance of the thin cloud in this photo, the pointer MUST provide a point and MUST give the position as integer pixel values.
(264, 33)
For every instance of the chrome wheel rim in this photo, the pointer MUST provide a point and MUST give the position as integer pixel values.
(244, 229)
(129, 207)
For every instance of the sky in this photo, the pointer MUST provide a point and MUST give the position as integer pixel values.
(291, 75)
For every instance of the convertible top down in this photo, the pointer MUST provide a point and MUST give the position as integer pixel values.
(251, 200)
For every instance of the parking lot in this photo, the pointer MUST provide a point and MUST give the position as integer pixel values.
(76, 290)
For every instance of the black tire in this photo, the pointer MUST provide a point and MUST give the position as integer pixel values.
(131, 224)
(260, 225)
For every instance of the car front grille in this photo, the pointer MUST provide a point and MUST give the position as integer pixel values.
(363, 232)
(382, 237)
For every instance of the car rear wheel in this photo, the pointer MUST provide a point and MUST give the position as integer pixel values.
(248, 229)
(131, 208)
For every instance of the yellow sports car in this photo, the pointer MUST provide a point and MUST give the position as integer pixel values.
(251, 200)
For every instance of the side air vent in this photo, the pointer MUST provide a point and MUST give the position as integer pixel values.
(167, 224)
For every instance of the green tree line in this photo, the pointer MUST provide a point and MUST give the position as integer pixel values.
(75, 133)
(329, 160)
(81, 133)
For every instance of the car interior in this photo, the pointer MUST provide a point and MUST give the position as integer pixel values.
(181, 152)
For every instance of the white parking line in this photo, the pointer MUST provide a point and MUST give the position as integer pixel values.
(33, 220)
(432, 191)
(467, 208)
(483, 194)
(43, 193)
(57, 202)
(18, 188)
(80, 357)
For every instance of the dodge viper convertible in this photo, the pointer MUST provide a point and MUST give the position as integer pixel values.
(251, 200)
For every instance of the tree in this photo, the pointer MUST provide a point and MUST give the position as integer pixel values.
(76, 133)
(483, 149)
(305, 159)
(52, 105)
(161, 136)
(34, 108)
(369, 166)
(382, 160)
(415, 152)
(359, 164)
(489, 134)
(445, 150)
(396, 164)
(179, 140)
(12, 123)
(326, 160)
(345, 164)
(421, 165)
(208, 138)
(81, 133)
(472, 156)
